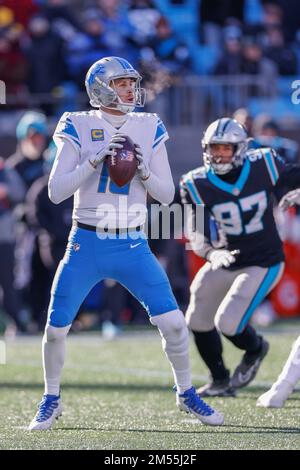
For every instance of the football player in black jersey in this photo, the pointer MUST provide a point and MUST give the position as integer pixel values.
(235, 187)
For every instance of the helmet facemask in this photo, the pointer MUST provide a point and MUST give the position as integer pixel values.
(237, 159)
(225, 131)
(139, 95)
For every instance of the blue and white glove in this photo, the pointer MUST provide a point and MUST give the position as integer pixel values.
(142, 170)
(99, 157)
(221, 258)
(290, 199)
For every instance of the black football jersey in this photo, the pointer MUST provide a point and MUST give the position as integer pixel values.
(241, 202)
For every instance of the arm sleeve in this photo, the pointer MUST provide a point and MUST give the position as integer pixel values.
(66, 175)
(160, 184)
(289, 176)
(197, 220)
(281, 174)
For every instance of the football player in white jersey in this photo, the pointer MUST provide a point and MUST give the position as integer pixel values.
(285, 383)
(107, 238)
(290, 374)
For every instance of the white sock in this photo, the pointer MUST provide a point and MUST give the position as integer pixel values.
(175, 341)
(291, 371)
(54, 346)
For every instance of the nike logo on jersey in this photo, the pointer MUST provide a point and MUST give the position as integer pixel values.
(134, 246)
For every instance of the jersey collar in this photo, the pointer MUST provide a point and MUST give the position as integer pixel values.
(109, 124)
(235, 188)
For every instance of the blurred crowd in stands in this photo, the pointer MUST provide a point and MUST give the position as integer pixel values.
(46, 47)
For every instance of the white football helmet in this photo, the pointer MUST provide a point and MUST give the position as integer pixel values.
(98, 84)
(225, 131)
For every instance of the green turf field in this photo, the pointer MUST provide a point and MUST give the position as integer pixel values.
(117, 395)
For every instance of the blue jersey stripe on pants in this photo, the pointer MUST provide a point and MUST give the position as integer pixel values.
(89, 260)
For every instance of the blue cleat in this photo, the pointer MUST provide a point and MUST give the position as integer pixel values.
(49, 409)
(190, 402)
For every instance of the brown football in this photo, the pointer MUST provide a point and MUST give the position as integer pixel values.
(122, 166)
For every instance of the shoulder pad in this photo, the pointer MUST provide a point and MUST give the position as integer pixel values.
(80, 114)
(139, 116)
(199, 173)
(254, 155)
(271, 161)
(188, 183)
(67, 128)
(259, 154)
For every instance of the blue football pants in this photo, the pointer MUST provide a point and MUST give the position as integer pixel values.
(126, 259)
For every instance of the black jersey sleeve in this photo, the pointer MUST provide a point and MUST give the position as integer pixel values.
(289, 176)
(283, 176)
(197, 219)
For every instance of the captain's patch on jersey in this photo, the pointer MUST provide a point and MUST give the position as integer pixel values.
(97, 134)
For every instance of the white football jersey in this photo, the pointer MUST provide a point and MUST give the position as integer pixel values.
(99, 200)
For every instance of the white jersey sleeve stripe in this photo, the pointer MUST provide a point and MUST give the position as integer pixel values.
(161, 134)
(67, 129)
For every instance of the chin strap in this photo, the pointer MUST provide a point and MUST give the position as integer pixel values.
(124, 107)
(219, 171)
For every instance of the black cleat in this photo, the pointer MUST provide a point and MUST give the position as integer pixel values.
(217, 388)
(248, 367)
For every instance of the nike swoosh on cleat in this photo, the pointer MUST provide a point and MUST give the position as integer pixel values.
(245, 377)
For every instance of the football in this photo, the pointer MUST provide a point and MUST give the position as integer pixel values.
(122, 166)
